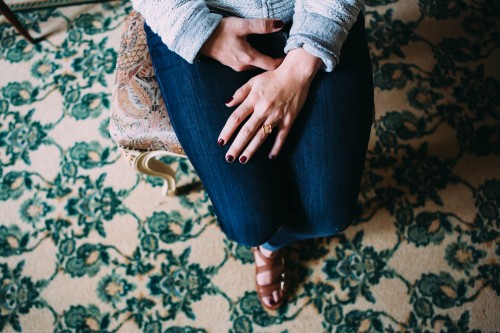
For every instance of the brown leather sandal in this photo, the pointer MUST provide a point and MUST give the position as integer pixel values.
(280, 282)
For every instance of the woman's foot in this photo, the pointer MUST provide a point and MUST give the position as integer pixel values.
(269, 279)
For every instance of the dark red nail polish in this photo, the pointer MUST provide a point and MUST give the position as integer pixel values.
(229, 100)
(278, 24)
(221, 142)
(243, 159)
(271, 157)
(229, 158)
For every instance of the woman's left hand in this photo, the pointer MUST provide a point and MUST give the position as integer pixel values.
(274, 97)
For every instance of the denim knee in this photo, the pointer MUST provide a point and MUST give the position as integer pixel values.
(333, 219)
(250, 231)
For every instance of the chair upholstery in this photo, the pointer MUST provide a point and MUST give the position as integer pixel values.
(139, 119)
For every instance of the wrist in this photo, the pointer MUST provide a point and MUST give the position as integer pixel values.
(303, 64)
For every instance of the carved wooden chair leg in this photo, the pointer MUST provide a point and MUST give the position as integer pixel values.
(148, 163)
(11, 17)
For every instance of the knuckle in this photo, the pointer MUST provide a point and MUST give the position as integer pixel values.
(246, 130)
(235, 119)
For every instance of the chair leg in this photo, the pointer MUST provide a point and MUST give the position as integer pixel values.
(5, 10)
(147, 163)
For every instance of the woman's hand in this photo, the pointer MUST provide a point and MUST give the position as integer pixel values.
(228, 43)
(273, 97)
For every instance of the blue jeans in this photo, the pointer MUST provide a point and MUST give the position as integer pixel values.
(311, 188)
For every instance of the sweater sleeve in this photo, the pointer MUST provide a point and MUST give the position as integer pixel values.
(321, 27)
(183, 25)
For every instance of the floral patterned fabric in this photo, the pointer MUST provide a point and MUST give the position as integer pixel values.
(139, 118)
(89, 245)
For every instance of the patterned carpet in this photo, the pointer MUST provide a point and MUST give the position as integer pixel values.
(86, 245)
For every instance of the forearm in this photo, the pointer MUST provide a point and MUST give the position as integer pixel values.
(183, 26)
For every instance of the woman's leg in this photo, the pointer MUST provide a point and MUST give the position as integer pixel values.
(250, 200)
(326, 148)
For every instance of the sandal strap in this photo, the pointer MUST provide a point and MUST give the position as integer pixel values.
(267, 290)
(270, 265)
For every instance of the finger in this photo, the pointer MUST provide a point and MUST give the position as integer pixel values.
(243, 137)
(261, 26)
(257, 140)
(240, 94)
(278, 143)
(261, 60)
(233, 122)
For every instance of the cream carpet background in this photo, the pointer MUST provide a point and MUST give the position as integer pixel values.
(86, 245)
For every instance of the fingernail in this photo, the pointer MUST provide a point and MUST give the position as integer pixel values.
(278, 24)
(229, 158)
(229, 100)
(271, 157)
(243, 159)
(221, 142)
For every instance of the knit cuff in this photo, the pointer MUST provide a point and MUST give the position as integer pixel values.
(194, 32)
(318, 35)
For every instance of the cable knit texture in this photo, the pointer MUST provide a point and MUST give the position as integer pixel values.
(319, 26)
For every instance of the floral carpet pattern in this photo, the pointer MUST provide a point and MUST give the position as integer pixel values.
(87, 245)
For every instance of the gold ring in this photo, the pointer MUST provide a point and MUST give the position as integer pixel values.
(267, 128)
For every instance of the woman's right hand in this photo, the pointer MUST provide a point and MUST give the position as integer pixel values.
(228, 43)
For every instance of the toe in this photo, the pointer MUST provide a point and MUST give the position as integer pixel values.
(268, 300)
(276, 296)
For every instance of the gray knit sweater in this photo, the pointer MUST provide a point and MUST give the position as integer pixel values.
(319, 26)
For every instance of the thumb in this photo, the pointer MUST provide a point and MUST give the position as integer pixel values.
(263, 26)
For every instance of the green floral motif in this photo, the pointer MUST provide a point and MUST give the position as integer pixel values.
(442, 290)
(91, 105)
(112, 289)
(94, 205)
(20, 93)
(43, 69)
(12, 240)
(388, 35)
(96, 62)
(87, 260)
(18, 295)
(393, 76)
(485, 141)
(22, 51)
(13, 184)
(179, 284)
(242, 253)
(405, 125)
(33, 210)
(251, 307)
(442, 9)
(488, 201)
(463, 256)
(365, 321)
(92, 24)
(69, 207)
(479, 92)
(21, 136)
(170, 228)
(89, 155)
(423, 98)
(357, 268)
(429, 228)
(86, 319)
(423, 174)
(316, 293)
